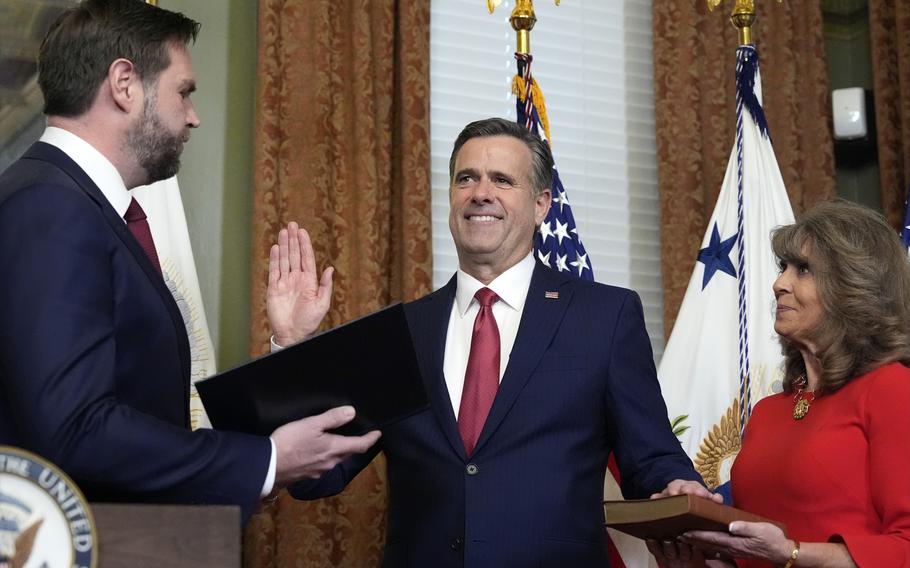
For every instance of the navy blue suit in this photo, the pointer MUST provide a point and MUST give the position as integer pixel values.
(580, 383)
(94, 358)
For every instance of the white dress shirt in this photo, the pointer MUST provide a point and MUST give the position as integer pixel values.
(103, 173)
(512, 288)
(99, 169)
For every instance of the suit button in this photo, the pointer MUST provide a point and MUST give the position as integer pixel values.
(456, 543)
(472, 469)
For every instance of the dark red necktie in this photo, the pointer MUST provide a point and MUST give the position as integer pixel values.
(139, 226)
(481, 379)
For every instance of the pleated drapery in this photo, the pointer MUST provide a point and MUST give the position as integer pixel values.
(342, 146)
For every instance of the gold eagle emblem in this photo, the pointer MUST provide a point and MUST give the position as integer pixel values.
(719, 448)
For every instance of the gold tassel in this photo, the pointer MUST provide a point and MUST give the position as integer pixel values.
(518, 89)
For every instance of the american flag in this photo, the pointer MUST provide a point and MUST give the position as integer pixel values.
(556, 243)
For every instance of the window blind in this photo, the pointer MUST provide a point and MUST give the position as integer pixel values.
(593, 62)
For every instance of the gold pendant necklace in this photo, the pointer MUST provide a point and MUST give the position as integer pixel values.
(800, 403)
(801, 408)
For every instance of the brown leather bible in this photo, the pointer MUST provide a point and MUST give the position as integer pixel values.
(668, 517)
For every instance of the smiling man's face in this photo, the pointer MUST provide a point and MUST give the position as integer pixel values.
(494, 211)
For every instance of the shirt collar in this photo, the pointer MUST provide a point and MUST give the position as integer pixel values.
(93, 163)
(511, 286)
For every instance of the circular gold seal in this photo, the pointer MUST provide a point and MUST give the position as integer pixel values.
(44, 518)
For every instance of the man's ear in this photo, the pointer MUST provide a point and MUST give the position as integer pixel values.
(124, 84)
(542, 205)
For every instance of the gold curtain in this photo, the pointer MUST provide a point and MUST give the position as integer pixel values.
(889, 27)
(342, 146)
(694, 63)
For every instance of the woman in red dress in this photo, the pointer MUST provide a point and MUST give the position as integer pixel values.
(829, 457)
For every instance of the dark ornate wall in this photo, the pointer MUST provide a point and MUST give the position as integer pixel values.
(23, 24)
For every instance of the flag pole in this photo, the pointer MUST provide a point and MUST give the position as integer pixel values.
(743, 17)
(522, 19)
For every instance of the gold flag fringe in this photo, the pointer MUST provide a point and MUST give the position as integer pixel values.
(519, 89)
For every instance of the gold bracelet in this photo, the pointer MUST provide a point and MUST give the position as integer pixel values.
(793, 555)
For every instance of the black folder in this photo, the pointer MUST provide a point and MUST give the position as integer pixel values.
(368, 363)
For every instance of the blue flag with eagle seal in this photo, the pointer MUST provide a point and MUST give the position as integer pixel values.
(723, 354)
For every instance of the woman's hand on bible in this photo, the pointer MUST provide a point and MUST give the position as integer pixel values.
(760, 541)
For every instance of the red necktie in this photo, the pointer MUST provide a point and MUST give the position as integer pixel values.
(481, 379)
(137, 223)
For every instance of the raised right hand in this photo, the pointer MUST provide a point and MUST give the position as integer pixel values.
(305, 450)
(296, 302)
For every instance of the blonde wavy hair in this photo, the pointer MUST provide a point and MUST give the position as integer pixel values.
(862, 274)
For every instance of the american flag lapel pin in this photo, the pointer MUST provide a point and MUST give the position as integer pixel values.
(551, 295)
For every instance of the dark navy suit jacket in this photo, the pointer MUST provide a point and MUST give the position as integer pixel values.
(94, 359)
(580, 383)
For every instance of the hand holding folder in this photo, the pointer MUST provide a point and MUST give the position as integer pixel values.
(368, 363)
(300, 395)
(305, 451)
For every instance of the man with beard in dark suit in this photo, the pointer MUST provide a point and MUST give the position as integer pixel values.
(94, 358)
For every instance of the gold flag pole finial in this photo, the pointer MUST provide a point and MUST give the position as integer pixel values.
(743, 17)
(523, 19)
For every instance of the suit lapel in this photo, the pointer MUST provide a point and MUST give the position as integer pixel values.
(540, 320)
(429, 325)
(49, 153)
